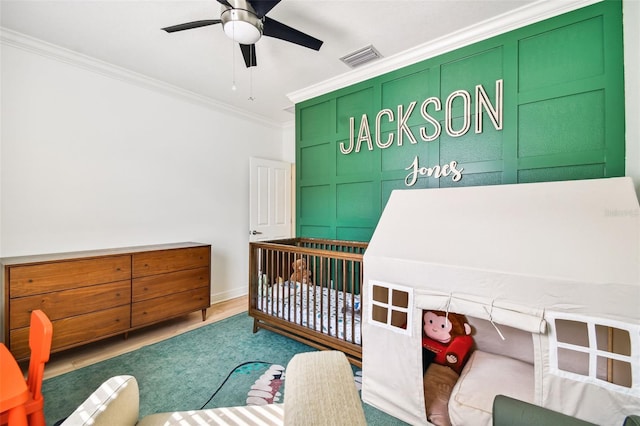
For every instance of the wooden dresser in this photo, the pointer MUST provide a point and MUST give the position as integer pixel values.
(95, 294)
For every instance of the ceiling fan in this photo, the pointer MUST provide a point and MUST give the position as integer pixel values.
(245, 21)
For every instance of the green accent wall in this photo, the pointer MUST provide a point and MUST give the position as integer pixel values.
(563, 119)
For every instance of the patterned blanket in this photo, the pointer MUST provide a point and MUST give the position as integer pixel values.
(332, 312)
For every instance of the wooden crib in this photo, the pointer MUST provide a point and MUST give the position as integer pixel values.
(323, 310)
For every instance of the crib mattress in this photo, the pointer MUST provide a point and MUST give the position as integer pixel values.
(332, 312)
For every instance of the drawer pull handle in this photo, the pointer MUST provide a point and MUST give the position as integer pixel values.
(30, 280)
(117, 294)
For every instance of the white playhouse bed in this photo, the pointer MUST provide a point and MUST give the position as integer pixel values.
(552, 267)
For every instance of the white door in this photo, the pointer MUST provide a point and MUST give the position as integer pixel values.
(270, 199)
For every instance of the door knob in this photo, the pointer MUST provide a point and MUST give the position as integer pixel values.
(254, 232)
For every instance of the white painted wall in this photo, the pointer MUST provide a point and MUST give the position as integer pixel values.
(289, 142)
(90, 161)
(289, 154)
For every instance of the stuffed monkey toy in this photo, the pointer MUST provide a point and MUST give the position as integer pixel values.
(448, 337)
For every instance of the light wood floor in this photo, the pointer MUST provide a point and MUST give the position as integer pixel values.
(91, 353)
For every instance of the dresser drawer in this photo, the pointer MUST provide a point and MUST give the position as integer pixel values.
(172, 282)
(158, 262)
(153, 310)
(75, 330)
(69, 303)
(35, 279)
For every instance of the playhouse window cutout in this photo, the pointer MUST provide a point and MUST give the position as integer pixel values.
(390, 306)
(573, 332)
(595, 349)
(573, 361)
(621, 338)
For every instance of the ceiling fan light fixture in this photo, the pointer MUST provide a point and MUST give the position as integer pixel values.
(242, 32)
(241, 25)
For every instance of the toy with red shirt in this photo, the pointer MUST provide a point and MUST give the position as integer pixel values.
(447, 338)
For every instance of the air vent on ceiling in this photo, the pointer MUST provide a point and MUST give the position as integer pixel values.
(361, 56)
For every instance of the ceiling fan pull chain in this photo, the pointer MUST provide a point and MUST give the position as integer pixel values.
(233, 64)
(251, 98)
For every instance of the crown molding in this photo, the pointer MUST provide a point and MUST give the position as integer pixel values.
(506, 22)
(51, 51)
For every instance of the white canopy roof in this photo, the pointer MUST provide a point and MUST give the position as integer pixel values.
(572, 245)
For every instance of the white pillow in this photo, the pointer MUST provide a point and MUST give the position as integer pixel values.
(483, 377)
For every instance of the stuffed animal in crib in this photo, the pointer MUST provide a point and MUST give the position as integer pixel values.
(300, 272)
(448, 337)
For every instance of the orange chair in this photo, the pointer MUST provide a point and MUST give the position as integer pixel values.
(40, 334)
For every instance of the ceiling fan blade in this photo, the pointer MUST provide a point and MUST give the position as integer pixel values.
(273, 28)
(225, 2)
(262, 7)
(190, 25)
(249, 54)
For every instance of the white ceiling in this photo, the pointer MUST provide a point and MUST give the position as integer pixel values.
(204, 61)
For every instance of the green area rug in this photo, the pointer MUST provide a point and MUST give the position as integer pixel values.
(183, 372)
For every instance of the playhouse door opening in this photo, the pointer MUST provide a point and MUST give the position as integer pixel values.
(451, 397)
(446, 346)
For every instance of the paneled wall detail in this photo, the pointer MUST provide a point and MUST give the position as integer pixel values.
(562, 119)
